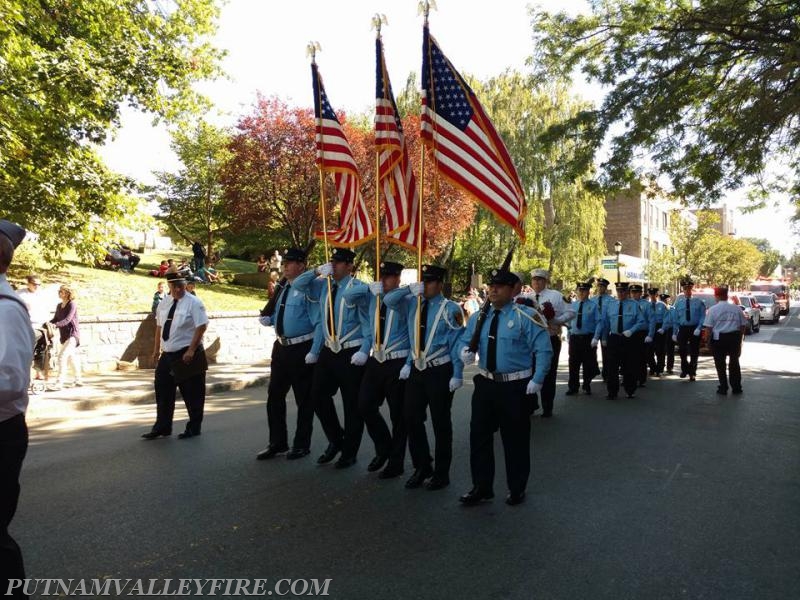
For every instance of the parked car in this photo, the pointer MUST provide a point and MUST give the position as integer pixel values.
(751, 310)
(770, 308)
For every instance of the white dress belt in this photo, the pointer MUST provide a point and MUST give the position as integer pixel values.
(516, 376)
(284, 341)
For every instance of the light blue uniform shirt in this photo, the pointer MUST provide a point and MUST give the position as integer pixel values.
(518, 339)
(590, 319)
(632, 317)
(649, 316)
(697, 313)
(396, 338)
(669, 317)
(301, 312)
(445, 339)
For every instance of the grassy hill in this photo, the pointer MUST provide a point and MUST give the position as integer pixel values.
(102, 291)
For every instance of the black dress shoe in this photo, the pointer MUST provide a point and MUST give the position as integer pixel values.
(588, 391)
(152, 435)
(692, 378)
(514, 499)
(391, 471)
(722, 391)
(437, 483)
(345, 461)
(611, 396)
(670, 372)
(475, 496)
(737, 391)
(296, 453)
(271, 452)
(330, 453)
(571, 393)
(418, 478)
(547, 415)
(630, 395)
(188, 434)
(683, 375)
(376, 464)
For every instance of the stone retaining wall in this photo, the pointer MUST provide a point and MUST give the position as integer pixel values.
(106, 340)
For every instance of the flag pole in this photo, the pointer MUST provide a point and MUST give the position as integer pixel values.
(377, 21)
(313, 48)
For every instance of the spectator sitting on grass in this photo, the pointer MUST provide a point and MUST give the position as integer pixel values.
(263, 265)
(162, 269)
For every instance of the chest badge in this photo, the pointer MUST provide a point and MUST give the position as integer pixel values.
(510, 324)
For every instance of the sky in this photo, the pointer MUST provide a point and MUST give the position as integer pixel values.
(266, 43)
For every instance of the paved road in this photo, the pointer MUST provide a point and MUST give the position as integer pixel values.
(674, 494)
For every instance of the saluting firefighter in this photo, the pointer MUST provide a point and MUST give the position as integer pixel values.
(510, 336)
(296, 313)
(601, 298)
(687, 325)
(669, 344)
(643, 340)
(388, 336)
(660, 312)
(434, 372)
(621, 319)
(585, 332)
(343, 328)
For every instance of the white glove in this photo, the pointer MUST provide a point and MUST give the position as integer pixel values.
(674, 338)
(359, 359)
(416, 288)
(533, 387)
(594, 342)
(325, 270)
(627, 333)
(697, 332)
(604, 343)
(376, 288)
(311, 358)
(455, 383)
(661, 332)
(404, 372)
(265, 321)
(467, 357)
(648, 340)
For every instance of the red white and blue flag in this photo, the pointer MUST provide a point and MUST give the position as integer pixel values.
(335, 156)
(466, 147)
(396, 179)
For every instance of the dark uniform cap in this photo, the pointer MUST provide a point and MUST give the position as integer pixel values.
(343, 255)
(391, 268)
(622, 285)
(687, 281)
(652, 291)
(503, 277)
(12, 231)
(295, 254)
(433, 273)
(636, 287)
(179, 277)
(604, 282)
(664, 296)
(584, 285)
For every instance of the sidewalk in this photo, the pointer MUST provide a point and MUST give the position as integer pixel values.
(135, 388)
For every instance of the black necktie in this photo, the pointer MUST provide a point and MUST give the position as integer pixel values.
(334, 289)
(168, 322)
(281, 310)
(491, 353)
(423, 324)
(383, 322)
(580, 314)
(537, 298)
(600, 302)
(688, 312)
(619, 318)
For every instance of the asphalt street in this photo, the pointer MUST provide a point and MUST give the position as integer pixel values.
(677, 493)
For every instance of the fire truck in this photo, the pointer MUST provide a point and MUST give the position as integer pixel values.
(779, 287)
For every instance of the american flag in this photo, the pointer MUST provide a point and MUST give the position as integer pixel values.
(395, 175)
(334, 155)
(467, 149)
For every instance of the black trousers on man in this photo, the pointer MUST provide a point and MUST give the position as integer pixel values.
(642, 350)
(669, 351)
(288, 369)
(13, 447)
(333, 372)
(548, 392)
(621, 354)
(430, 389)
(381, 382)
(581, 354)
(500, 405)
(728, 346)
(193, 391)
(655, 355)
(689, 349)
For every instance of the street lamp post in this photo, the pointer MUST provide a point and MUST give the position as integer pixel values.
(618, 249)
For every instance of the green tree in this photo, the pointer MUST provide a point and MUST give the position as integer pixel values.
(709, 88)
(191, 201)
(662, 268)
(66, 67)
(771, 257)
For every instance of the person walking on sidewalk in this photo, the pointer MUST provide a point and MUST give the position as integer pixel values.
(181, 321)
(16, 356)
(66, 319)
(294, 313)
(726, 324)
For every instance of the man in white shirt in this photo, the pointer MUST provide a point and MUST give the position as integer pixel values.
(16, 356)
(557, 312)
(181, 321)
(39, 306)
(726, 324)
